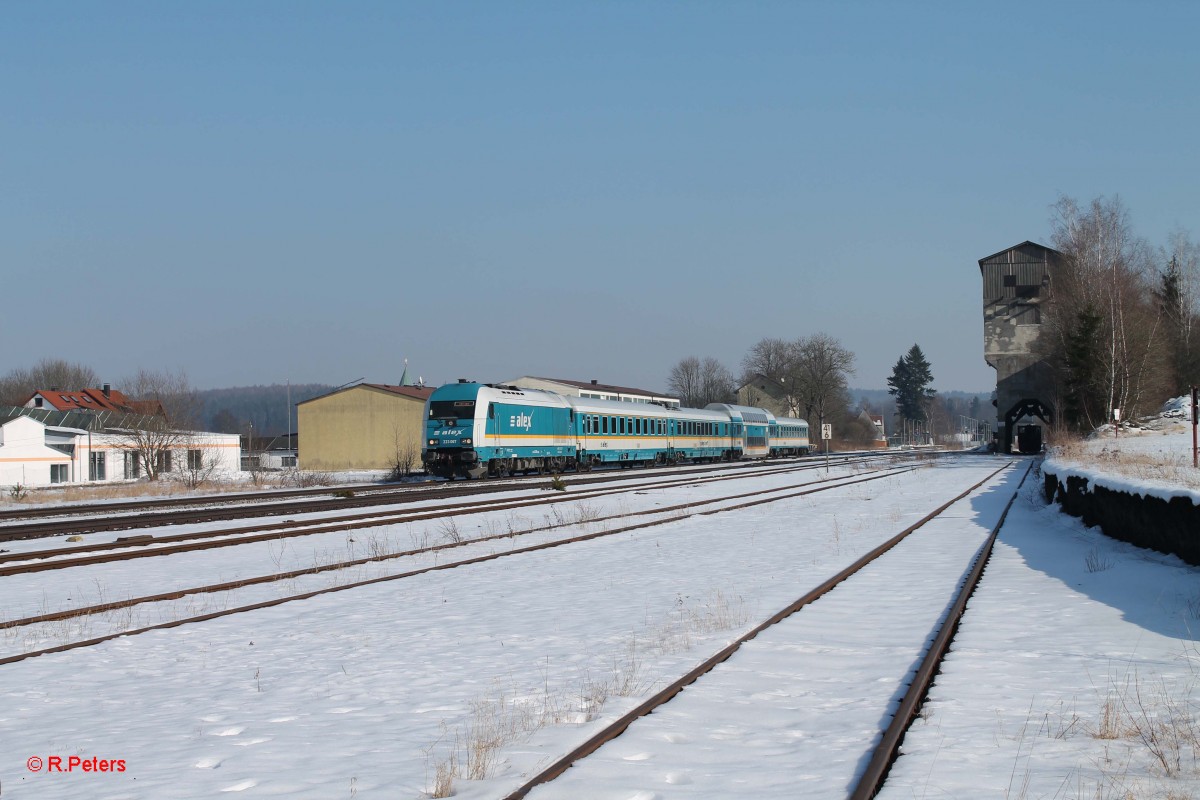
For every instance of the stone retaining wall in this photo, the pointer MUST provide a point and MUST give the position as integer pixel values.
(1167, 526)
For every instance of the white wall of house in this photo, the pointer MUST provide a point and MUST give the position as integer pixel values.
(277, 459)
(218, 453)
(26, 459)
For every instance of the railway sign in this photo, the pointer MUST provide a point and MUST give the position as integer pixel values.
(826, 431)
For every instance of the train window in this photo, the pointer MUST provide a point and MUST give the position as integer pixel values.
(604, 424)
(451, 409)
(637, 426)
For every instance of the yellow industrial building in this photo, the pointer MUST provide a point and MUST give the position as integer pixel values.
(366, 426)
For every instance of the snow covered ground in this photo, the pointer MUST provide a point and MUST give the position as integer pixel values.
(1075, 674)
(372, 692)
(1076, 671)
(1153, 457)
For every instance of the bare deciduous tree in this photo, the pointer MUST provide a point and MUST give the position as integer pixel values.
(49, 373)
(170, 410)
(406, 455)
(775, 360)
(810, 372)
(199, 463)
(1105, 335)
(822, 367)
(699, 382)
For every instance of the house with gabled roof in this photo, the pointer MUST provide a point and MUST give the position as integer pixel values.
(44, 446)
(103, 399)
(368, 426)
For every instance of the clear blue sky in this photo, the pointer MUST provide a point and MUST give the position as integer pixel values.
(260, 192)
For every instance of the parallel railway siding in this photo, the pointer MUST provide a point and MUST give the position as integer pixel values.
(664, 514)
(149, 546)
(52, 521)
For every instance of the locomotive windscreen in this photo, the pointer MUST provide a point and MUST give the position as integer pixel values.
(451, 409)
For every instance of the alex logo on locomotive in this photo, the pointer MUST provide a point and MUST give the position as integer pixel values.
(522, 421)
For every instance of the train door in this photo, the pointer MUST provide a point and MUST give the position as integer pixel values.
(492, 428)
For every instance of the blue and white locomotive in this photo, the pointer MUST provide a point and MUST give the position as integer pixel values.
(473, 430)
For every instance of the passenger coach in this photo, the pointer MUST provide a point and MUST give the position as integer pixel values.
(476, 429)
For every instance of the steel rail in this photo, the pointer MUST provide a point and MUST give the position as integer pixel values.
(619, 726)
(889, 746)
(81, 509)
(398, 495)
(243, 582)
(400, 576)
(70, 557)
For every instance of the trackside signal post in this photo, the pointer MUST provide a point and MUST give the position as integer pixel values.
(826, 434)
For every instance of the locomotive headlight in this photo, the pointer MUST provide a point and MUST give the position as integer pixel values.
(433, 442)
(467, 440)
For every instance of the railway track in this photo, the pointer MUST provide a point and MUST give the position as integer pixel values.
(46, 522)
(126, 548)
(705, 691)
(654, 516)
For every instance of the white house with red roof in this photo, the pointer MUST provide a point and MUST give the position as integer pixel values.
(88, 436)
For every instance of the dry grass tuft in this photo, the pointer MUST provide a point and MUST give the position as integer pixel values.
(1096, 561)
(1108, 455)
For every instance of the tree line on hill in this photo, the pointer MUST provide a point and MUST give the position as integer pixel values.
(809, 376)
(263, 410)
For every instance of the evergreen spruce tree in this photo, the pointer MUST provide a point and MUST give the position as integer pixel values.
(910, 384)
(1083, 381)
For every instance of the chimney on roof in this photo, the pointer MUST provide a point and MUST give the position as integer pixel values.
(107, 389)
(594, 381)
